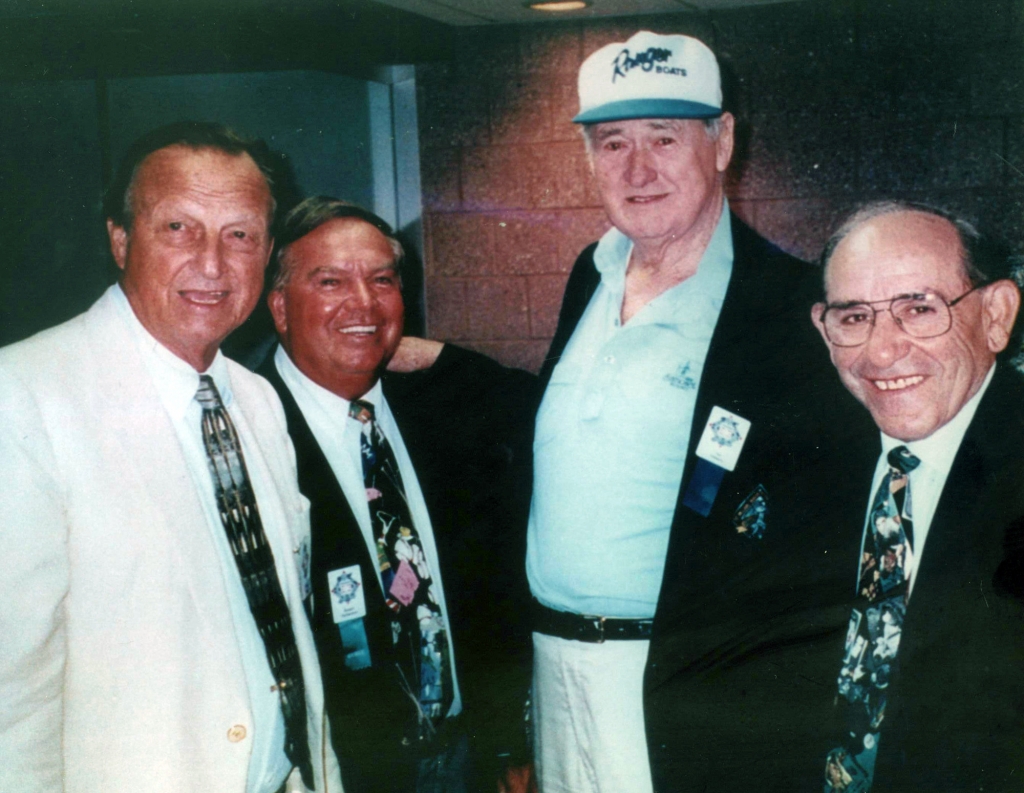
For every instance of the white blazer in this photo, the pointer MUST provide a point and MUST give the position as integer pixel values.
(119, 668)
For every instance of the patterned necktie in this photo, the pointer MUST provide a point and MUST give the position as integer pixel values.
(255, 560)
(418, 627)
(873, 636)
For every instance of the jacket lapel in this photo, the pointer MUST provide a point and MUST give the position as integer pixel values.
(274, 512)
(982, 496)
(151, 467)
(335, 532)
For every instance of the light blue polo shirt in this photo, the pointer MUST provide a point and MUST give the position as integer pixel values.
(612, 434)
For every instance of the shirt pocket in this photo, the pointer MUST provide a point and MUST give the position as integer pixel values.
(558, 408)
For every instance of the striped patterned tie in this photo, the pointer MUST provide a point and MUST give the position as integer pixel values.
(255, 560)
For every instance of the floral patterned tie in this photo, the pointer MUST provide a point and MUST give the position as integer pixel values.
(873, 636)
(418, 626)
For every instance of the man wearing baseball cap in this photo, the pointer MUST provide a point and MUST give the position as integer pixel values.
(685, 502)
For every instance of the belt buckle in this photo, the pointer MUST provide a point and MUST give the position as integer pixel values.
(598, 623)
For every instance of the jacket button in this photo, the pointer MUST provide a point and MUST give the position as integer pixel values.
(236, 733)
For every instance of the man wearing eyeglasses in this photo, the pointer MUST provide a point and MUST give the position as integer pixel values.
(929, 691)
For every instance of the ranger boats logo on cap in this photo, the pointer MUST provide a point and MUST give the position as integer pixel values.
(650, 76)
(645, 60)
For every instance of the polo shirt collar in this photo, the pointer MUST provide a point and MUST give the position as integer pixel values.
(611, 259)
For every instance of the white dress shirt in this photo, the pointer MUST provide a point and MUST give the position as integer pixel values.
(176, 383)
(936, 453)
(338, 435)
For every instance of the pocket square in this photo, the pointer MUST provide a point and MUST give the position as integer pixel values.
(751, 518)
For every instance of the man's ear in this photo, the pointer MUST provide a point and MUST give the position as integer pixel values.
(725, 142)
(816, 311)
(1001, 301)
(118, 242)
(275, 301)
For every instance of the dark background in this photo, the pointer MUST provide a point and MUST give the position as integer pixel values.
(79, 82)
(842, 100)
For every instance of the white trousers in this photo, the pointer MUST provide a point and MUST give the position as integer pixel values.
(588, 716)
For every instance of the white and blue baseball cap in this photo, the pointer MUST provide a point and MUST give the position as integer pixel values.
(650, 76)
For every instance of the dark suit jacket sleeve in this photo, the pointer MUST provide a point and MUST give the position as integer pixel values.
(583, 280)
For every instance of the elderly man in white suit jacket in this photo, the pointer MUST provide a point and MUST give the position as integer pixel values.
(129, 659)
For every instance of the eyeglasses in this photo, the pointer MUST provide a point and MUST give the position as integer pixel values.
(923, 315)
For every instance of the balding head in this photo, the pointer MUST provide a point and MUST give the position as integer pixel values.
(916, 364)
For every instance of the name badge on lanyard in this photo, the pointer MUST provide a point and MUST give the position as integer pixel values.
(348, 608)
(718, 451)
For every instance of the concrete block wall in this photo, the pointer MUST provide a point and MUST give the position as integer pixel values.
(840, 101)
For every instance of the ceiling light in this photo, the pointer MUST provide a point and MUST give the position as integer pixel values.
(556, 6)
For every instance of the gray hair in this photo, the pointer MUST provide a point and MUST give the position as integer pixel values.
(315, 212)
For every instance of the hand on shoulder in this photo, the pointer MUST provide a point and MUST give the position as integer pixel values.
(414, 354)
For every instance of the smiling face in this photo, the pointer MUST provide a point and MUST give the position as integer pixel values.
(660, 179)
(339, 313)
(911, 386)
(192, 263)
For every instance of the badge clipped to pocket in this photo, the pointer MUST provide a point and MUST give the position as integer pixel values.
(718, 451)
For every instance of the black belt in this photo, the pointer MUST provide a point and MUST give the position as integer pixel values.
(587, 628)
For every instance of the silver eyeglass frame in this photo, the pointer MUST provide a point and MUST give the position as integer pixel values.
(889, 301)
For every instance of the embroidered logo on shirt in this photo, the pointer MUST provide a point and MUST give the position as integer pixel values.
(682, 378)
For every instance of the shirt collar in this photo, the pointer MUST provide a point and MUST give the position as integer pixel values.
(334, 406)
(611, 258)
(175, 380)
(939, 448)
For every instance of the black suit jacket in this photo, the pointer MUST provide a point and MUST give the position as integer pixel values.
(748, 633)
(955, 721)
(459, 421)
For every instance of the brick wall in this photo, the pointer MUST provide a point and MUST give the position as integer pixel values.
(840, 101)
